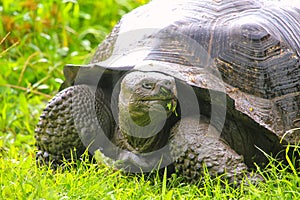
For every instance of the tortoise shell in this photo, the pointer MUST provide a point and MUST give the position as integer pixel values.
(246, 49)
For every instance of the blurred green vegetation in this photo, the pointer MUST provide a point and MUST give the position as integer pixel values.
(44, 35)
(38, 37)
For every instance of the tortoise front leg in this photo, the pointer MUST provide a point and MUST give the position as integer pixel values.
(71, 120)
(193, 149)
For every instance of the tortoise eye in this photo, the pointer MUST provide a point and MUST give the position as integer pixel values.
(148, 86)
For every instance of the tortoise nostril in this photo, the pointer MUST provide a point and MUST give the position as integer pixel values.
(166, 84)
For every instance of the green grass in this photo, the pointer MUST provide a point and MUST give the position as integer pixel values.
(43, 37)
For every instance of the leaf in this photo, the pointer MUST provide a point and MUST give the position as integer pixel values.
(164, 184)
(43, 87)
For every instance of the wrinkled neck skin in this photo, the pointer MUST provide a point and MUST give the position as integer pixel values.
(141, 126)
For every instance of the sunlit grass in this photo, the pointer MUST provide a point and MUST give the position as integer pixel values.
(37, 38)
(21, 179)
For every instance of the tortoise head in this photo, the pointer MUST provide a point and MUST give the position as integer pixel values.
(146, 101)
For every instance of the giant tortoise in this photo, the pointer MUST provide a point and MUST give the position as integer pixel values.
(188, 84)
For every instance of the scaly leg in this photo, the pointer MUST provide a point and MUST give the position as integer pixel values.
(72, 120)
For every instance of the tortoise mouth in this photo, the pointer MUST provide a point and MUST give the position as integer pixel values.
(156, 100)
(168, 103)
(157, 97)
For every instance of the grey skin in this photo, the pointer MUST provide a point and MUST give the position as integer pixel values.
(146, 113)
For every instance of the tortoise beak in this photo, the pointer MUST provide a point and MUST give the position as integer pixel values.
(167, 91)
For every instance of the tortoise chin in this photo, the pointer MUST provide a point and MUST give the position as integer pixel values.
(144, 112)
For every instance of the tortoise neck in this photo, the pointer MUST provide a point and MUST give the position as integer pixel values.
(139, 138)
(136, 144)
